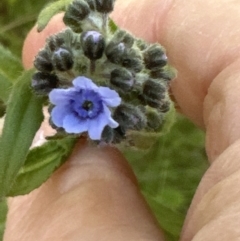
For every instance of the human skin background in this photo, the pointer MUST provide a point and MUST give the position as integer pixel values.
(202, 39)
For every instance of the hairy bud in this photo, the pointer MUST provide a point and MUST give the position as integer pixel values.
(43, 83)
(163, 74)
(164, 106)
(104, 6)
(129, 117)
(107, 135)
(91, 4)
(76, 12)
(155, 57)
(62, 59)
(126, 57)
(93, 44)
(132, 60)
(154, 120)
(142, 45)
(153, 93)
(122, 79)
(54, 42)
(121, 36)
(43, 61)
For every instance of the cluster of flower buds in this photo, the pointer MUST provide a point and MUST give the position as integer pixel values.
(95, 74)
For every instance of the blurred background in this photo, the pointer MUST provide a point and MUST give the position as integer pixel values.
(169, 172)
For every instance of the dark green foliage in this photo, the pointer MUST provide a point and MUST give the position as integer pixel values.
(23, 119)
(3, 216)
(40, 164)
(170, 172)
(16, 19)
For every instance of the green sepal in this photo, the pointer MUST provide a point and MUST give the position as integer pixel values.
(49, 11)
(40, 163)
(23, 119)
(3, 216)
(112, 26)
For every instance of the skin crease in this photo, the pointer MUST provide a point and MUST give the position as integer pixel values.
(202, 39)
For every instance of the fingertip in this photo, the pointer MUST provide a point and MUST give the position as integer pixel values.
(88, 163)
(36, 40)
(145, 19)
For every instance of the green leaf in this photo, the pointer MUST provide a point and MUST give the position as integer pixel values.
(112, 26)
(10, 69)
(23, 119)
(169, 220)
(3, 216)
(41, 162)
(10, 65)
(5, 87)
(49, 11)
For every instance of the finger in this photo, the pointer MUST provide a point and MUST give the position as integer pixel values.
(203, 44)
(94, 196)
(200, 39)
(214, 212)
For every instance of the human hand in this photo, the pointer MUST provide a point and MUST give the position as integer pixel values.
(97, 198)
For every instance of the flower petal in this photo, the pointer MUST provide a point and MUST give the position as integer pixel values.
(109, 97)
(73, 124)
(82, 82)
(97, 125)
(58, 114)
(61, 96)
(112, 123)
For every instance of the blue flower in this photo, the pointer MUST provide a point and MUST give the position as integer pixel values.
(84, 107)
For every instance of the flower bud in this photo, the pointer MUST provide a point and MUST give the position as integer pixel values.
(121, 36)
(154, 120)
(91, 4)
(126, 57)
(141, 44)
(104, 6)
(118, 135)
(164, 106)
(54, 42)
(62, 59)
(43, 83)
(122, 79)
(132, 60)
(107, 135)
(160, 74)
(76, 12)
(129, 117)
(93, 44)
(114, 52)
(43, 61)
(154, 93)
(154, 57)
